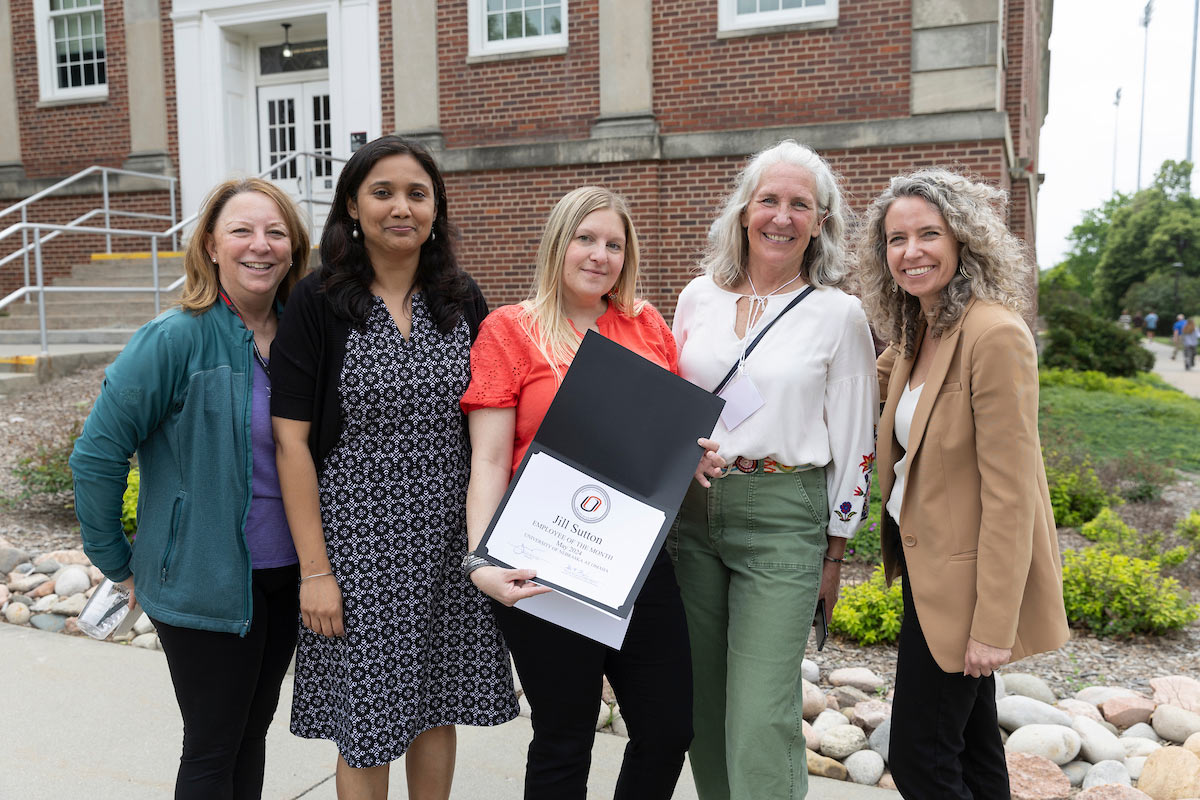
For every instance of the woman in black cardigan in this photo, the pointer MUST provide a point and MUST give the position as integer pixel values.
(397, 647)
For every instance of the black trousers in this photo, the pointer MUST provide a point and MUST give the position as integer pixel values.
(228, 687)
(945, 741)
(651, 676)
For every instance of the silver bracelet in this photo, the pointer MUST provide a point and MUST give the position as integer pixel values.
(318, 575)
(472, 562)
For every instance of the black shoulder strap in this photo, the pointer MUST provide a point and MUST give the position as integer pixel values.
(795, 302)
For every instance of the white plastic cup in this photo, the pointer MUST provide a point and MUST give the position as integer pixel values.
(107, 611)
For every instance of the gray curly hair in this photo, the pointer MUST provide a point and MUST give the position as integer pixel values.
(995, 261)
(725, 257)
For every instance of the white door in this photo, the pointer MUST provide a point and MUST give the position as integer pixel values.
(294, 118)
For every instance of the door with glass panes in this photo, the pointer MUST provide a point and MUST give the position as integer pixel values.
(294, 118)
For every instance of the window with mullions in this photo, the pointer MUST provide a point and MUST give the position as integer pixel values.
(746, 15)
(513, 26)
(71, 49)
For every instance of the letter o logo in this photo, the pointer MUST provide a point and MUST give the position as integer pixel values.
(590, 503)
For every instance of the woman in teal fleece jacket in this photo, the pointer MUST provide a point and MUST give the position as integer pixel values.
(213, 564)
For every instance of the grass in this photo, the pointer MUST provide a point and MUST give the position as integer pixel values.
(1110, 418)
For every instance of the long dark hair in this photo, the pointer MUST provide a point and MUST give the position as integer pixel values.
(346, 272)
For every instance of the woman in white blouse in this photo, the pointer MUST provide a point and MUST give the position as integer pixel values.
(755, 551)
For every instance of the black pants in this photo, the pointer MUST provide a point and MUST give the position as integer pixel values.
(945, 742)
(228, 687)
(651, 676)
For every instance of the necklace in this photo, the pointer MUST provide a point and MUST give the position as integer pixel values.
(258, 356)
(758, 305)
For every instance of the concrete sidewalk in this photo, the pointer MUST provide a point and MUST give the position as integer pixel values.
(1172, 371)
(96, 720)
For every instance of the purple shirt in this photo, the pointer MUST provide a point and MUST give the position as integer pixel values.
(267, 532)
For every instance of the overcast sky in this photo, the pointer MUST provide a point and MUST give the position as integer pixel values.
(1096, 47)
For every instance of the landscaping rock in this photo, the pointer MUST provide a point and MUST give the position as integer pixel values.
(812, 739)
(825, 767)
(72, 580)
(41, 591)
(828, 719)
(1124, 711)
(1171, 773)
(25, 583)
(4, 594)
(1175, 724)
(881, 738)
(887, 782)
(840, 741)
(149, 641)
(143, 623)
(44, 603)
(47, 566)
(1135, 765)
(619, 728)
(1076, 771)
(1137, 746)
(1097, 743)
(71, 606)
(1103, 772)
(1032, 777)
(1141, 730)
(20, 598)
(864, 767)
(603, 717)
(1016, 711)
(1097, 695)
(814, 700)
(810, 671)
(1057, 743)
(17, 613)
(1079, 708)
(1177, 690)
(869, 714)
(848, 696)
(1193, 743)
(51, 623)
(10, 557)
(66, 557)
(1026, 685)
(1113, 791)
(1001, 691)
(858, 677)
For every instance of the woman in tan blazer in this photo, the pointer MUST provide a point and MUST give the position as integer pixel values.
(968, 522)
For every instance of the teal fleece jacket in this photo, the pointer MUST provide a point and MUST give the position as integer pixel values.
(179, 395)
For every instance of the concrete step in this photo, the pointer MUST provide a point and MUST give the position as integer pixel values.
(30, 340)
(75, 323)
(15, 383)
(34, 368)
(105, 279)
(131, 304)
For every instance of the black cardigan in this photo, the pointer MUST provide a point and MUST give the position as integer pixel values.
(307, 357)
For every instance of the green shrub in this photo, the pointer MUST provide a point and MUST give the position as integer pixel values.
(1110, 533)
(1144, 385)
(47, 470)
(1188, 529)
(1081, 341)
(1076, 492)
(869, 612)
(1114, 595)
(129, 503)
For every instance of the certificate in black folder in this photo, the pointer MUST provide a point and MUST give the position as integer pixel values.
(600, 485)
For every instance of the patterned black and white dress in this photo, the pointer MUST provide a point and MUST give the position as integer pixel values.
(421, 648)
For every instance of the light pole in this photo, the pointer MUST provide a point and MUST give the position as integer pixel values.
(1192, 89)
(1178, 266)
(1145, 52)
(1116, 127)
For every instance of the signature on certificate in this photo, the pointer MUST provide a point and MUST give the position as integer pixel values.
(580, 575)
(528, 552)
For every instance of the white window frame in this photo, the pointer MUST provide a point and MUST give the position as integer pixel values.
(729, 20)
(478, 44)
(48, 87)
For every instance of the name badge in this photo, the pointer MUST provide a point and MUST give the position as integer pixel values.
(741, 400)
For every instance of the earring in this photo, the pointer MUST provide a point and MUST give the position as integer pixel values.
(354, 229)
(432, 235)
(895, 287)
(962, 271)
(214, 260)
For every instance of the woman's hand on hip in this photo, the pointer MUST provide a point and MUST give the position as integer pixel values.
(321, 605)
(710, 463)
(982, 658)
(831, 582)
(507, 586)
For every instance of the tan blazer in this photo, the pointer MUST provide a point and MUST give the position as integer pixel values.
(976, 522)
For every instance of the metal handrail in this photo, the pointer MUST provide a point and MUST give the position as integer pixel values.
(24, 227)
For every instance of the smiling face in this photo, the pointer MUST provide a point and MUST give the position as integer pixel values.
(781, 219)
(922, 253)
(395, 208)
(252, 248)
(594, 259)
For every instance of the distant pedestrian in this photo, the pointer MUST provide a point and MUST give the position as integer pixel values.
(1151, 324)
(1124, 320)
(1189, 337)
(1177, 334)
(1137, 323)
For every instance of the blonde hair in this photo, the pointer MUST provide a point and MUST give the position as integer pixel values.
(726, 257)
(545, 320)
(201, 277)
(997, 267)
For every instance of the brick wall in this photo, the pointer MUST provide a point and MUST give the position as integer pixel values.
(856, 70)
(526, 99)
(501, 213)
(60, 140)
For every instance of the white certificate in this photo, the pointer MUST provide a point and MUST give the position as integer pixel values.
(580, 534)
